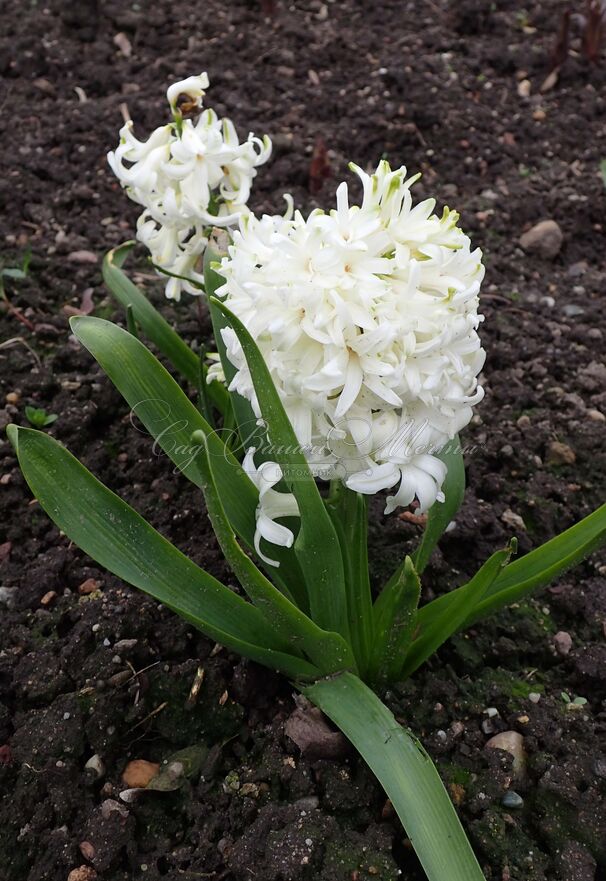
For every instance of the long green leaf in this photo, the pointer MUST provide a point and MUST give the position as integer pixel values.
(349, 514)
(156, 329)
(441, 513)
(113, 534)
(435, 630)
(316, 545)
(534, 570)
(406, 772)
(171, 418)
(328, 651)
(395, 618)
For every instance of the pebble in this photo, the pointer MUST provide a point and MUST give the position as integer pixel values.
(596, 416)
(87, 850)
(512, 519)
(524, 88)
(139, 772)
(88, 586)
(111, 806)
(48, 598)
(511, 799)
(544, 239)
(82, 257)
(560, 454)
(571, 309)
(513, 743)
(82, 873)
(534, 697)
(563, 643)
(12, 398)
(95, 763)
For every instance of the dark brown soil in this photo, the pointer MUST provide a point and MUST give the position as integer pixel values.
(434, 85)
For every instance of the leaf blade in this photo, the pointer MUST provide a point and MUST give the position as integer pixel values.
(118, 538)
(405, 771)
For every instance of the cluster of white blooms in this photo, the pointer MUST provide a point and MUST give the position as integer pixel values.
(367, 318)
(188, 175)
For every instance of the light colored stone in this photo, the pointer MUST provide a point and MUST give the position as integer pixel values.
(82, 873)
(563, 643)
(510, 518)
(560, 454)
(544, 239)
(513, 743)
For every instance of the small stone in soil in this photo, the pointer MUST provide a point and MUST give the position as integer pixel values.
(560, 454)
(82, 873)
(563, 643)
(513, 743)
(511, 799)
(544, 239)
(139, 772)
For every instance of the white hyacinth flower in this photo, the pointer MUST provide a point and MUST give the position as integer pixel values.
(189, 176)
(272, 505)
(367, 318)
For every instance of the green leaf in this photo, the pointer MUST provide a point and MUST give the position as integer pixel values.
(435, 626)
(541, 566)
(534, 570)
(171, 418)
(118, 538)
(316, 545)
(395, 618)
(405, 771)
(349, 514)
(441, 513)
(157, 330)
(328, 651)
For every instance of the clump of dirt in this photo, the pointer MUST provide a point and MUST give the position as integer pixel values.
(101, 671)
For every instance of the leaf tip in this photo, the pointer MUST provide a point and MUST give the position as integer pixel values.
(12, 432)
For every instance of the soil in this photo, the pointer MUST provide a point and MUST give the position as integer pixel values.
(97, 669)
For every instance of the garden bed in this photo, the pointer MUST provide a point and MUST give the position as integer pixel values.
(90, 667)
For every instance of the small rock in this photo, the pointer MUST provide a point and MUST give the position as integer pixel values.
(124, 646)
(560, 454)
(12, 398)
(82, 257)
(524, 88)
(596, 416)
(511, 799)
(544, 239)
(123, 43)
(599, 767)
(523, 421)
(95, 764)
(571, 310)
(139, 772)
(82, 873)
(111, 806)
(87, 850)
(48, 598)
(513, 743)
(308, 728)
(88, 586)
(563, 643)
(511, 519)
(534, 697)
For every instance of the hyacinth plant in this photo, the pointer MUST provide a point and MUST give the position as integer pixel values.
(347, 364)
